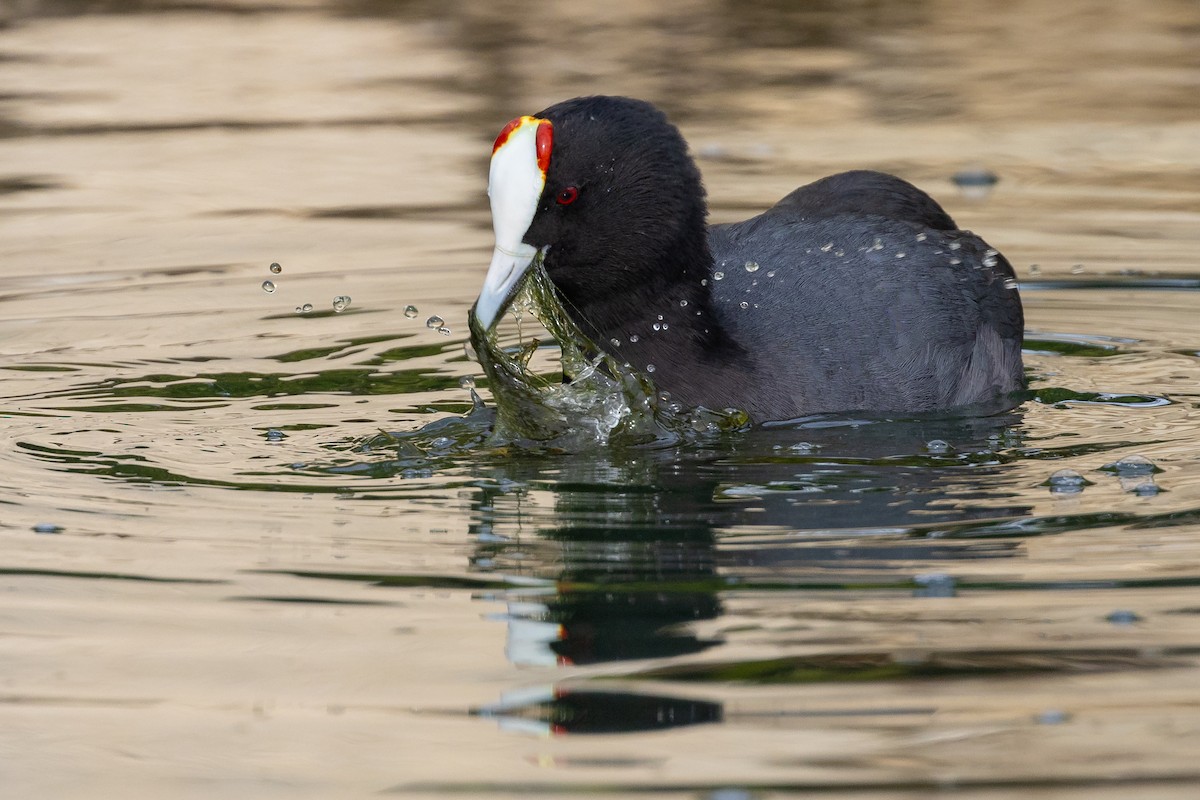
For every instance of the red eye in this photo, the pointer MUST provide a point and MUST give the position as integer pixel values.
(567, 196)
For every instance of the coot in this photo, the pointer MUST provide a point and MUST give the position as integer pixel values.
(855, 292)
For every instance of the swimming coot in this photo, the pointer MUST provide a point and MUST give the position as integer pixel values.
(855, 292)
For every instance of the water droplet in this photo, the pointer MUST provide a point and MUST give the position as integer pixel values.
(650, 368)
(304, 309)
(341, 302)
(444, 331)
(634, 338)
(771, 273)
(938, 446)
(839, 253)
(683, 303)
(665, 326)
(434, 322)
(466, 382)
(47, 527)
(877, 245)
(657, 326)
(1010, 283)
(268, 286)
(955, 261)
(411, 312)
(744, 304)
(921, 237)
(827, 247)
(751, 266)
(276, 268)
(1035, 269)
(660, 316)
(900, 255)
(704, 281)
(718, 275)
(615, 342)
(955, 245)
(1067, 481)
(1078, 269)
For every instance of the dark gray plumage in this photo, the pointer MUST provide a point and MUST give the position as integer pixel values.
(861, 294)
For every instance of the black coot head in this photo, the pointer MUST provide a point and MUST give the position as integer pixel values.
(621, 213)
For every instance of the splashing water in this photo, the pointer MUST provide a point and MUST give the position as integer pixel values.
(603, 402)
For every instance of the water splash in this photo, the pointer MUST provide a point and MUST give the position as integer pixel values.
(603, 402)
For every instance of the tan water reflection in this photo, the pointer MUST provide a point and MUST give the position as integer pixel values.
(228, 612)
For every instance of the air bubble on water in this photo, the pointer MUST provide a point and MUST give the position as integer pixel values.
(444, 331)
(650, 368)
(434, 322)
(718, 275)
(938, 446)
(1052, 716)
(1078, 269)
(825, 248)
(1010, 283)
(751, 266)
(803, 447)
(268, 286)
(1123, 616)
(466, 382)
(276, 268)
(634, 338)
(935, 584)
(340, 303)
(411, 312)
(1132, 466)
(744, 304)
(275, 435)
(1067, 481)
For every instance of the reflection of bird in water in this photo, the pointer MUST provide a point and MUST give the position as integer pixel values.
(632, 551)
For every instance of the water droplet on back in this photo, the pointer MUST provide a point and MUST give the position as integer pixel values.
(826, 248)
(615, 342)
(650, 368)
(718, 275)
(634, 338)
(1011, 283)
(410, 312)
(434, 322)
(744, 304)
(751, 266)
(268, 286)
(683, 303)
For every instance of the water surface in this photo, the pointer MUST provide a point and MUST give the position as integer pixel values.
(219, 576)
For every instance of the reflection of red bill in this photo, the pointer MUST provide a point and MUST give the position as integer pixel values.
(520, 159)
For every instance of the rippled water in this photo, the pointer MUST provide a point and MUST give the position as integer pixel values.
(251, 552)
